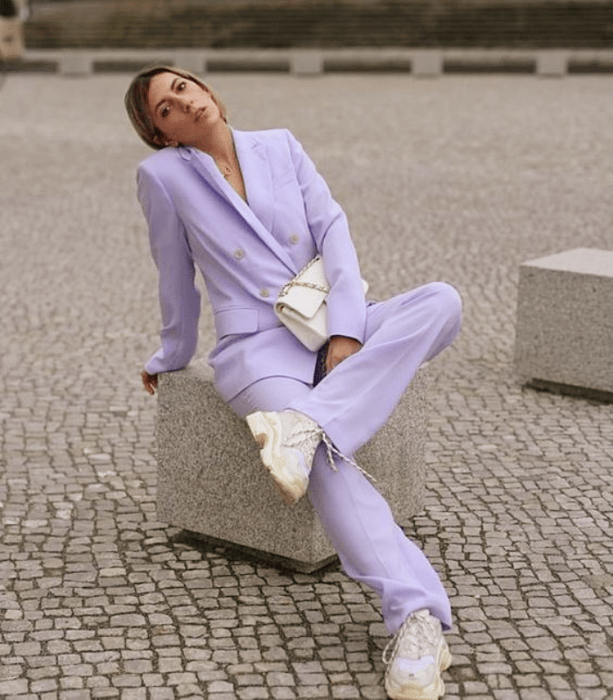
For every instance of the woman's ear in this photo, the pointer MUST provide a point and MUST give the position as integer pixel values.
(161, 140)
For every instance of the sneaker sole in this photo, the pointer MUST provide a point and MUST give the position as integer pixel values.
(431, 692)
(266, 429)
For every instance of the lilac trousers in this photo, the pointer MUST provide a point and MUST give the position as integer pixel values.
(351, 404)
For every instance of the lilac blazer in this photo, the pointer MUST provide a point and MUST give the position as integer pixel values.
(246, 253)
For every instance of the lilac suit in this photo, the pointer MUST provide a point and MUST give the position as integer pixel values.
(246, 253)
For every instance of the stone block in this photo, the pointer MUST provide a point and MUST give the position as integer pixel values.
(307, 63)
(191, 60)
(75, 63)
(551, 64)
(211, 481)
(427, 63)
(564, 335)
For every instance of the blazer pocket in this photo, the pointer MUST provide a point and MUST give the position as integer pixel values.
(239, 321)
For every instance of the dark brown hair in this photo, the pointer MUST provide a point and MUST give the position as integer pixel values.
(138, 107)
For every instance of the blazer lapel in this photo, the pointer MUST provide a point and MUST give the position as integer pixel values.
(257, 176)
(258, 185)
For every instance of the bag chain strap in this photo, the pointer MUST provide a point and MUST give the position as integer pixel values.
(309, 285)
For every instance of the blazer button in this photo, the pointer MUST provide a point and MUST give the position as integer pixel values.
(264, 293)
(239, 253)
(294, 238)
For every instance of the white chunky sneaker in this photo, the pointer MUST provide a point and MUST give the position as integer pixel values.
(415, 658)
(288, 441)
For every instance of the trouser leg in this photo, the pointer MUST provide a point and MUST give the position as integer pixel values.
(358, 521)
(372, 547)
(355, 400)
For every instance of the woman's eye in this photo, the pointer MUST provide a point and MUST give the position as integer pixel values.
(164, 111)
(181, 86)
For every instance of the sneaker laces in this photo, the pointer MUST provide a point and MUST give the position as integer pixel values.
(307, 438)
(416, 635)
(331, 451)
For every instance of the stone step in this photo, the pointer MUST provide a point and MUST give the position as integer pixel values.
(322, 24)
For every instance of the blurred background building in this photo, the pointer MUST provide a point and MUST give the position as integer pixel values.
(319, 23)
(13, 14)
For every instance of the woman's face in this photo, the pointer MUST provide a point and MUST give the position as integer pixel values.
(181, 109)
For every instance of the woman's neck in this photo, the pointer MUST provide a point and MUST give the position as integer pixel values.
(219, 143)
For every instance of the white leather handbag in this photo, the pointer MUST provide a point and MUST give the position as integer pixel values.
(301, 304)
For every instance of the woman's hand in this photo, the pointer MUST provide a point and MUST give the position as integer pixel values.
(150, 381)
(340, 349)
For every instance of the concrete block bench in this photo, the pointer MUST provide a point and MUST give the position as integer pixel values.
(564, 336)
(211, 481)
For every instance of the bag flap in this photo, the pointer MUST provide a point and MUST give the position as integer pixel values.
(302, 300)
(301, 294)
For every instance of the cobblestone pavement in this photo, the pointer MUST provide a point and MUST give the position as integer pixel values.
(460, 178)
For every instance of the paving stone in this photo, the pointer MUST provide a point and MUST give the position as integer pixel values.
(460, 179)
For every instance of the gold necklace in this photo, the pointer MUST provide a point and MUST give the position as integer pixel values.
(225, 169)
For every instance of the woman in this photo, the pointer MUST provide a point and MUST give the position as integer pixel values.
(250, 211)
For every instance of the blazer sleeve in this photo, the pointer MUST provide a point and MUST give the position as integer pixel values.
(179, 296)
(330, 229)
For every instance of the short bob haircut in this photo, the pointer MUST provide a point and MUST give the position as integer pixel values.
(138, 109)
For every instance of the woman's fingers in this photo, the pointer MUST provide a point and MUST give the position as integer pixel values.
(150, 381)
(340, 349)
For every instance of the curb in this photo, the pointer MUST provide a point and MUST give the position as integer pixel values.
(418, 62)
